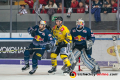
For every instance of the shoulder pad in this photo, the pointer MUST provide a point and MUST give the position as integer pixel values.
(54, 27)
(73, 30)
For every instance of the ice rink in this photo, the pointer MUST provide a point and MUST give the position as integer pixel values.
(13, 72)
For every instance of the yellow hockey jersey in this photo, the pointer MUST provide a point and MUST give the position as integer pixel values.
(62, 34)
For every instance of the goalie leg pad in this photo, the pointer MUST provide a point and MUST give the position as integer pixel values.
(89, 62)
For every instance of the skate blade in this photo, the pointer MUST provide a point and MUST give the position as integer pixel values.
(53, 73)
(65, 74)
(26, 69)
(31, 74)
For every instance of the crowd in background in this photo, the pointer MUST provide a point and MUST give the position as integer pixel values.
(78, 6)
(71, 6)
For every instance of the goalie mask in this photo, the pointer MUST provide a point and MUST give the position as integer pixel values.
(80, 23)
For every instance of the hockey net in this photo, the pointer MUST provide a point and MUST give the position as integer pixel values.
(103, 51)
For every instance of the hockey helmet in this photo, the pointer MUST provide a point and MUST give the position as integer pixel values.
(59, 18)
(43, 22)
(80, 23)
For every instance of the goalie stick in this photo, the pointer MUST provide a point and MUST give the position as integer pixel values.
(116, 66)
(115, 46)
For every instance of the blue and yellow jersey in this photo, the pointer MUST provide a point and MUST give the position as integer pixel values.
(79, 37)
(41, 37)
(62, 34)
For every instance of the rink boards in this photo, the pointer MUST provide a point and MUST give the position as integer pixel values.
(103, 50)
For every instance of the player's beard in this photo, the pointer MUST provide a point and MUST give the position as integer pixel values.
(41, 29)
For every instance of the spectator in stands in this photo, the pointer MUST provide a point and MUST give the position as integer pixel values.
(57, 2)
(118, 13)
(79, 0)
(37, 6)
(114, 6)
(67, 3)
(87, 6)
(109, 3)
(74, 5)
(81, 9)
(44, 2)
(51, 4)
(96, 9)
(30, 3)
(60, 8)
(106, 9)
(43, 9)
(22, 10)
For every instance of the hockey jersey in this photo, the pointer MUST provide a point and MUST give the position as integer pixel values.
(41, 37)
(79, 37)
(62, 34)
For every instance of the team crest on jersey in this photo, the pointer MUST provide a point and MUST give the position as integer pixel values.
(60, 33)
(74, 30)
(62, 29)
(79, 38)
(49, 35)
(84, 31)
(43, 34)
(38, 38)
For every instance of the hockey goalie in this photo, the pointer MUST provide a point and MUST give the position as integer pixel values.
(83, 39)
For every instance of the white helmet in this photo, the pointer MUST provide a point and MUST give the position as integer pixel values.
(80, 23)
(43, 22)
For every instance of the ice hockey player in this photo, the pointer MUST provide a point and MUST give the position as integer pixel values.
(42, 38)
(83, 37)
(63, 40)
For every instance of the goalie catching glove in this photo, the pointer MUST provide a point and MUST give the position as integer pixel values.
(89, 44)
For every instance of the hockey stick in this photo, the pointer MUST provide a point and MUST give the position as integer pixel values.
(48, 27)
(115, 47)
(23, 49)
(73, 57)
(38, 15)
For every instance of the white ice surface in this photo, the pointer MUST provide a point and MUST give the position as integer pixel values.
(13, 72)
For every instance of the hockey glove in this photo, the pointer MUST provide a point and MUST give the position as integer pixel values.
(48, 46)
(32, 32)
(89, 44)
(61, 44)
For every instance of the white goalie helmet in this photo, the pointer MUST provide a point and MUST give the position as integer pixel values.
(80, 22)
